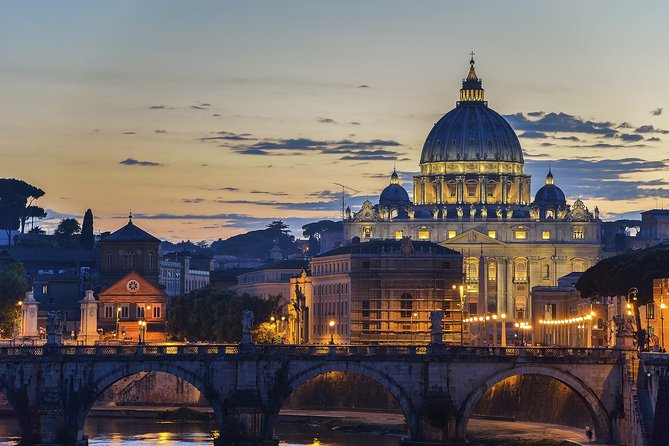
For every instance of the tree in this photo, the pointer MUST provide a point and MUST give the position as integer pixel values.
(16, 198)
(214, 315)
(13, 287)
(87, 239)
(67, 228)
(37, 230)
(617, 276)
(278, 227)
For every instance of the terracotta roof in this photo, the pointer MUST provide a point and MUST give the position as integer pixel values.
(130, 233)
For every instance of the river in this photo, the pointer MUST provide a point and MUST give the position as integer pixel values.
(137, 432)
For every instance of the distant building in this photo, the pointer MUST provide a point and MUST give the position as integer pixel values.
(132, 306)
(562, 318)
(127, 304)
(381, 292)
(655, 225)
(129, 249)
(472, 195)
(229, 261)
(182, 273)
(272, 279)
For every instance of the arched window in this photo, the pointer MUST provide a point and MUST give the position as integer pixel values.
(406, 305)
(545, 271)
(492, 272)
(129, 260)
(520, 270)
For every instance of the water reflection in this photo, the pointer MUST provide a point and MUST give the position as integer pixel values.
(134, 432)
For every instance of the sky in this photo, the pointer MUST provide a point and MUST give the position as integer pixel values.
(211, 118)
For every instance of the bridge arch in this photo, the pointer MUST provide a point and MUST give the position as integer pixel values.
(102, 383)
(377, 374)
(598, 412)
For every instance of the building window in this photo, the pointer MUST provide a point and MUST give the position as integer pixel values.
(406, 305)
(423, 235)
(45, 289)
(125, 311)
(650, 310)
(140, 311)
(156, 311)
(521, 271)
(399, 235)
(492, 272)
(366, 232)
(492, 234)
(129, 260)
(579, 233)
(452, 233)
(109, 260)
(545, 235)
(520, 235)
(150, 266)
(108, 311)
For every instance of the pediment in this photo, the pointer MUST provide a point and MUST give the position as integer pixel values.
(472, 237)
(120, 287)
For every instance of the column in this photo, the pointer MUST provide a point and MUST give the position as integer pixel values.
(481, 189)
(481, 305)
(29, 316)
(501, 284)
(502, 183)
(88, 329)
(441, 190)
(459, 185)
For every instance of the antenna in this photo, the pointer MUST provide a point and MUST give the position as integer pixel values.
(343, 195)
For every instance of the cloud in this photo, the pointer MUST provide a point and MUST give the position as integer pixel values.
(351, 149)
(532, 134)
(558, 122)
(603, 179)
(129, 133)
(354, 123)
(326, 120)
(657, 111)
(134, 162)
(192, 200)
(363, 86)
(216, 114)
(653, 139)
(535, 114)
(276, 194)
(567, 138)
(197, 107)
(160, 131)
(631, 137)
(158, 107)
(650, 129)
(625, 125)
(228, 136)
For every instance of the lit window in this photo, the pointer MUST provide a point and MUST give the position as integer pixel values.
(140, 310)
(399, 235)
(579, 232)
(367, 232)
(545, 235)
(492, 234)
(125, 311)
(156, 311)
(45, 289)
(452, 234)
(521, 235)
(109, 311)
(423, 235)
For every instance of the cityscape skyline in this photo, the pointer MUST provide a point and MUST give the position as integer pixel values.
(212, 121)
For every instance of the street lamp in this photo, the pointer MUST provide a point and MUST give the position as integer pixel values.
(118, 321)
(142, 331)
(414, 315)
(662, 307)
(503, 317)
(331, 324)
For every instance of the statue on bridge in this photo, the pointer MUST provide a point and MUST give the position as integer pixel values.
(436, 330)
(54, 328)
(247, 323)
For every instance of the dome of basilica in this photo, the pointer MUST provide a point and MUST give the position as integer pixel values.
(472, 131)
(394, 194)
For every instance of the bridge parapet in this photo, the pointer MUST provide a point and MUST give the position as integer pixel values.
(368, 352)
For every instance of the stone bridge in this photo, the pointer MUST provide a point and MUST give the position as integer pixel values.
(52, 389)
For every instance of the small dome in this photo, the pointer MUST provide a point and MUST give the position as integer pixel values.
(550, 193)
(394, 194)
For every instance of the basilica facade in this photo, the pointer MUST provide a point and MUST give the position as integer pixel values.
(472, 195)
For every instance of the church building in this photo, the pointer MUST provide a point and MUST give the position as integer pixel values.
(472, 195)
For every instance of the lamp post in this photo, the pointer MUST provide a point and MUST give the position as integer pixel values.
(503, 317)
(414, 315)
(331, 324)
(142, 331)
(118, 321)
(662, 307)
(462, 312)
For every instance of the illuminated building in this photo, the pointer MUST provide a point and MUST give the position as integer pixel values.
(472, 195)
(380, 292)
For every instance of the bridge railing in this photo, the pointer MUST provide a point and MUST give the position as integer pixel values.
(221, 350)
